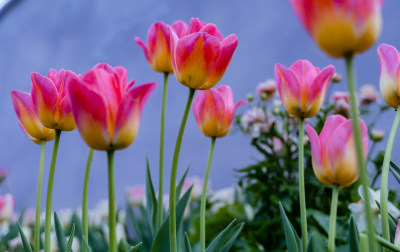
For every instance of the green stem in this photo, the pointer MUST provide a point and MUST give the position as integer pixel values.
(332, 223)
(385, 176)
(204, 199)
(364, 242)
(161, 171)
(359, 150)
(85, 198)
(302, 192)
(174, 169)
(386, 243)
(38, 198)
(111, 203)
(47, 229)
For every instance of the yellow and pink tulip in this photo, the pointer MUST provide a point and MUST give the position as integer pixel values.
(214, 110)
(333, 152)
(107, 111)
(389, 78)
(51, 100)
(302, 87)
(201, 55)
(341, 27)
(28, 119)
(158, 49)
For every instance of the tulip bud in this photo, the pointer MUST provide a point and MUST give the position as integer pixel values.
(377, 135)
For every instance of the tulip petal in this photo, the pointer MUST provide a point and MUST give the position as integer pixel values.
(180, 28)
(129, 113)
(228, 47)
(388, 79)
(90, 113)
(195, 25)
(289, 89)
(44, 98)
(144, 47)
(195, 57)
(212, 30)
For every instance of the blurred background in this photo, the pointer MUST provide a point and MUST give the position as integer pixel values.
(38, 35)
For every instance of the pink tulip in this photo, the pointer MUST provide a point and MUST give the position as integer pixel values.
(201, 55)
(7, 205)
(51, 101)
(342, 103)
(106, 110)
(333, 152)
(214, 111)
(28, 119)
(302, 87)
(158, 49)
(389, 79)
(368, 95)
(341, 27)
(266, 90)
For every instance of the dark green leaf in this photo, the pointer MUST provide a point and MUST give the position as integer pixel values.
(316, 244)
(224, 241)
(180, 184)
(123, 246)
(61, 242)
(136, 248)
(161, 242)
(395, 171)
(25, 242)
(86, 244)
(71, 238)
(292, 241)
(188, 248)
(151, 200)
(354, 243)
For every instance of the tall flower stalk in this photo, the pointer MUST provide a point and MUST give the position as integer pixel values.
(359, 151)
(85, 229)
(38, 198)
(302, 193)
(112, 218)
(332, 222)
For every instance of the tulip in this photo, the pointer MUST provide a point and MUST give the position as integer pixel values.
(201, 55)
(106, 110)
(158, 49)
(342, 103)
(51, 101)
(341, 27)
(389, 80)
(28, 119)
(333, 151)
(368, 95)
(214, 111)
(7, 205)
(302, 87)
(266, 90)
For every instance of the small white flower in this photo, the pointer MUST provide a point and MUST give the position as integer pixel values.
(358, 210)
(136, 195)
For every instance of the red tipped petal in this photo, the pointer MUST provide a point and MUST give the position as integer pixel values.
(195, 25)
(212, 30)
(180, 28)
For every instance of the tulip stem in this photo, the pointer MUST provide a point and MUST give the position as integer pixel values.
(111, 203)
(385, 176)
(359, 149)
(38, 198)
(332, 223)
(161, 168)
(172, 189)
(47, 229)
(85, 199)
(302, 192)
(204, 199)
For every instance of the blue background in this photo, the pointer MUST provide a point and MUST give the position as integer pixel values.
(38, 35)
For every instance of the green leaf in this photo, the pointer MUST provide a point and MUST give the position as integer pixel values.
(71, 238)
(25, 242)
(392, 227)
(395, 171)
(86, 244)
(136, 248)
(180, 184)
(316, 244)
(188, 248)
(224, 241)
(123, 246)
(354, 243)
(61, 242)
(161, 242)
(151, 200)
(292, 239)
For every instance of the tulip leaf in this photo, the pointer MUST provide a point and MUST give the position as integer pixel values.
(151, 200)
(71, 238)
(292, 239)
(224, 241)
(25, 242)
(136, 248)
(188, 248)
(61, 242)
(161, 242)
(86, 244)
(354, 243)
(395, 171)
(180, 184)
(123, 245)
(316, 244)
